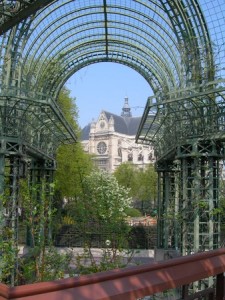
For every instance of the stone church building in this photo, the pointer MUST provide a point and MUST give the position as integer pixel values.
(111, 140)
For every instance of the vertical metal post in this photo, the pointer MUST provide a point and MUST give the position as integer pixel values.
(42, 173)
(199, 195)
(2, 179)
(184, 292)
(14, 213)
(35, 178)
(220, 287)
(184, 193)
(211, 202)
(166, 208)
(160, 211)
(176, 210)
(195, 198)
(49, 169)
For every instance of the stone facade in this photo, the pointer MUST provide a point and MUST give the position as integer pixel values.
(111, 140)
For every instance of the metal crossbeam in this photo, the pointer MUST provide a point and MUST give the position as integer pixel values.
(170, 123)
(37, 124)
(177, 46)
(13, 12)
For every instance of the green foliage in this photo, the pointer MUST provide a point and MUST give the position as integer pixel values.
(126, 175)
(72, 162)
(148, 183)
(104, 198)
(54, 267)
(101, 209)
(142, 184)
(8, 247)
(103, 204)
(110, 259)
(72, 166)
(133, 212)
(68, 107)
(38, 218)
(42, 261)
(35, 202)
(8, 255)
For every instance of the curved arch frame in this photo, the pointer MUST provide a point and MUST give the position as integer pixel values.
(171, 44)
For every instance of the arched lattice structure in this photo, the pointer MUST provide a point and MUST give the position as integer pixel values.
(177, 46)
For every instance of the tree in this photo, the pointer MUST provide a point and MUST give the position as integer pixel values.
(72, 166)
(103, 199)
(37, 220)
(109, 199)
(69, 108)
(126, 174)
(100, 212)
(147, 189)
(37, 265)
(72, 162)
(101, 208)
(142, 184)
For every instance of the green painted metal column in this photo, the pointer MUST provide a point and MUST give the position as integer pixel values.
(166, 194)
(195, 198)
(184, 204)
(15, 166)
(168, 205)
(41, 179)
(159, 210)
(177, 231)
(200, 196)
(2, 179)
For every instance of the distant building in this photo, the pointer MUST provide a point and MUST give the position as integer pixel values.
(111, 139)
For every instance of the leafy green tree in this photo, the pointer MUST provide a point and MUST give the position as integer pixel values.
(127, 174)
(72, 162)
(142, 184)
(69, 108)
(109, 199)
(42, 261)
(8, 257)
(147, 189)
(101, 208)
(133, 212)
(103, 199)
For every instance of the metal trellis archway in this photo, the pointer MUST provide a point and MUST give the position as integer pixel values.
(177, 46)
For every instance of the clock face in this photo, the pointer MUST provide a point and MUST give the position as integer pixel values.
(101, 147)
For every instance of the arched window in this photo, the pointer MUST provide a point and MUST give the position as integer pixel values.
(119, 152)
(140, 157)
(150, 157)
(130, 157)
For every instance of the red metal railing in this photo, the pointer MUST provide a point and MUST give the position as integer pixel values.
(129, 283)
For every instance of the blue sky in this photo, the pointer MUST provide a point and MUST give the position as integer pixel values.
(103, 86)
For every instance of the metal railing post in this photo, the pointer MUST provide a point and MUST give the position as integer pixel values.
(220, 286)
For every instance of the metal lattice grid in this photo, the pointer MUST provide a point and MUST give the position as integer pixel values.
(187, 128)
(177, 46)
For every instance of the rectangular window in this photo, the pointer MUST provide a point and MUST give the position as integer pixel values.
(102, 162)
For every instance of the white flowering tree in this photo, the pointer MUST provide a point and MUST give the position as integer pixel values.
(105, 199)
(101, 211)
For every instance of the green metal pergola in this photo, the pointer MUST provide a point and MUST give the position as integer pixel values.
(178, 46)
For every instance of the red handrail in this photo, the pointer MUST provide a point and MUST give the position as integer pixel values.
(129, 283)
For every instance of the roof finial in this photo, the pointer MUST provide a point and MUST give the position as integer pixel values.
(126, 111)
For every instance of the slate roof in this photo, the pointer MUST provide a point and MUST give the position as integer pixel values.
(85, 132)
(123, 125)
